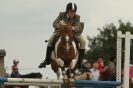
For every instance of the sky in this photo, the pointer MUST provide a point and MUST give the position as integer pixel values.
(26, 24)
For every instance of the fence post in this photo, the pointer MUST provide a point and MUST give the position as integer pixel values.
(126, 60)
(2, 54)
(2, 69)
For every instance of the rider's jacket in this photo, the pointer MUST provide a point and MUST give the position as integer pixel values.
(75, 21)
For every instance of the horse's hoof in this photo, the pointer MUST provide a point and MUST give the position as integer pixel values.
(71, 80)
(78, 72)
(65, 79)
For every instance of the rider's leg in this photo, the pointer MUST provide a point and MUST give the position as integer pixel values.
(48, 53)
(81, 57)
(81, 50)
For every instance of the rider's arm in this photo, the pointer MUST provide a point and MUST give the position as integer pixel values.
(56, 24)
(77, 27)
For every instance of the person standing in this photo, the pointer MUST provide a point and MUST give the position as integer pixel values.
(95, 74)
(15, 71)
(100, 63)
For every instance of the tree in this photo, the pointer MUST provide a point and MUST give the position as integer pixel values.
(104, 44)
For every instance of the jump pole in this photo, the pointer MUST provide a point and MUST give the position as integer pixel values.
(31, 80)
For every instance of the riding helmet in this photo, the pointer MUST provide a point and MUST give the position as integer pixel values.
(71, 6)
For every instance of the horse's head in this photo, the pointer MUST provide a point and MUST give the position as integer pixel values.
(67, 36)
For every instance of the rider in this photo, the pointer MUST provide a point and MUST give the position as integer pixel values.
(67, 17)
(15, 71)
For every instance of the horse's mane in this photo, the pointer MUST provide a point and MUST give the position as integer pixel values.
(66, 29)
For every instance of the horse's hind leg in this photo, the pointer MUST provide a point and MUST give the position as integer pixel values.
(65, 76)
(70, 73)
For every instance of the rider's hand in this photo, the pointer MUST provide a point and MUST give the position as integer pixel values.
(73, 28)
(62, 22)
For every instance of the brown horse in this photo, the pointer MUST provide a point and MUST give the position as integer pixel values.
(65, 53)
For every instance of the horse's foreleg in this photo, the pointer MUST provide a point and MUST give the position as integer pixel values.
(71, 78)
(65, 76)
(60, 62)
(73, 63)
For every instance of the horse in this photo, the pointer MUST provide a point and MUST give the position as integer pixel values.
(65, 53)
(30, 75)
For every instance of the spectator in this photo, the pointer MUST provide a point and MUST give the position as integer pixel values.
(100, 64)
(95, 75)
(131, 71)
(15, 71)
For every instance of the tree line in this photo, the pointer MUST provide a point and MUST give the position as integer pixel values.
(104, 44)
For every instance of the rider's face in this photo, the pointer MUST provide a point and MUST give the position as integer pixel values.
(71, 13)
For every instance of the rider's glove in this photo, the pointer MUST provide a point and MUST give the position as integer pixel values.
(72, 28)
(62, 22)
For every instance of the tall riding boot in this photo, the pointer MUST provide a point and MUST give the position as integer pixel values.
(81, 57)
(47, 59)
